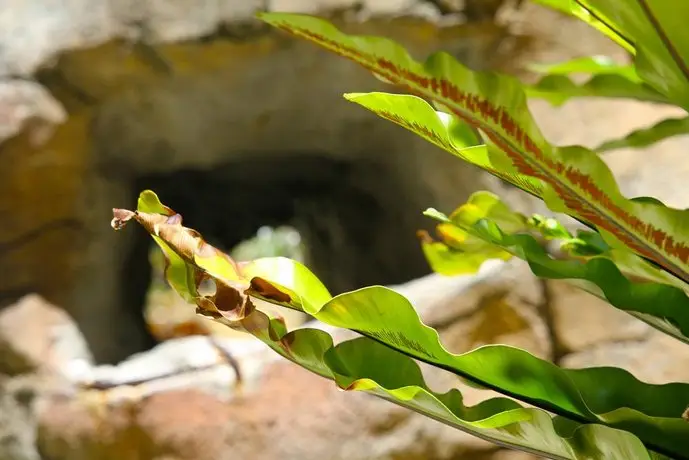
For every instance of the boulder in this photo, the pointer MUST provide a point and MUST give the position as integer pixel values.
(37, 337)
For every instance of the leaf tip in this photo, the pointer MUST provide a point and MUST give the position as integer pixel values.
(353, 96)
(437, 215)
(121, 217)
(424, 237)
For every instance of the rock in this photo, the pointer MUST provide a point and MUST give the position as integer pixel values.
(359, 9)
(307, 419)
(504, 308)
(192, 361)
(27, 105)
(49, 340)
(662, 180)
(309, 7)
(512, 455)
(17, 420)
(70, 25)
(657, 359)
(581, 320)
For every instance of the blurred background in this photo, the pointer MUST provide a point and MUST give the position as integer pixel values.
(244, 131)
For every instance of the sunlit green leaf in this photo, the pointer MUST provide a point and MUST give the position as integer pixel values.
(558, 89)
(363, 364)
(305, 290)
(441, 129)
(618, 276)
(606, 78)
(649, 136)
(651, 412)
(592, 65)
(461, 252)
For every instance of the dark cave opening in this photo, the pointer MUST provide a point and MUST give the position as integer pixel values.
(338, 208)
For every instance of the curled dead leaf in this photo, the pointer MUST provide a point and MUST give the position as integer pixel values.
(230, 302)
(120, 218)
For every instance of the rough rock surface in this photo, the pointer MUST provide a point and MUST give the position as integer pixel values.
(18, 428)
(306, 419)
(36, 336)
(582, 320)
(655, 359)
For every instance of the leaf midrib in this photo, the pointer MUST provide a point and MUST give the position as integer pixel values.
(595, 15)
(679, 62)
